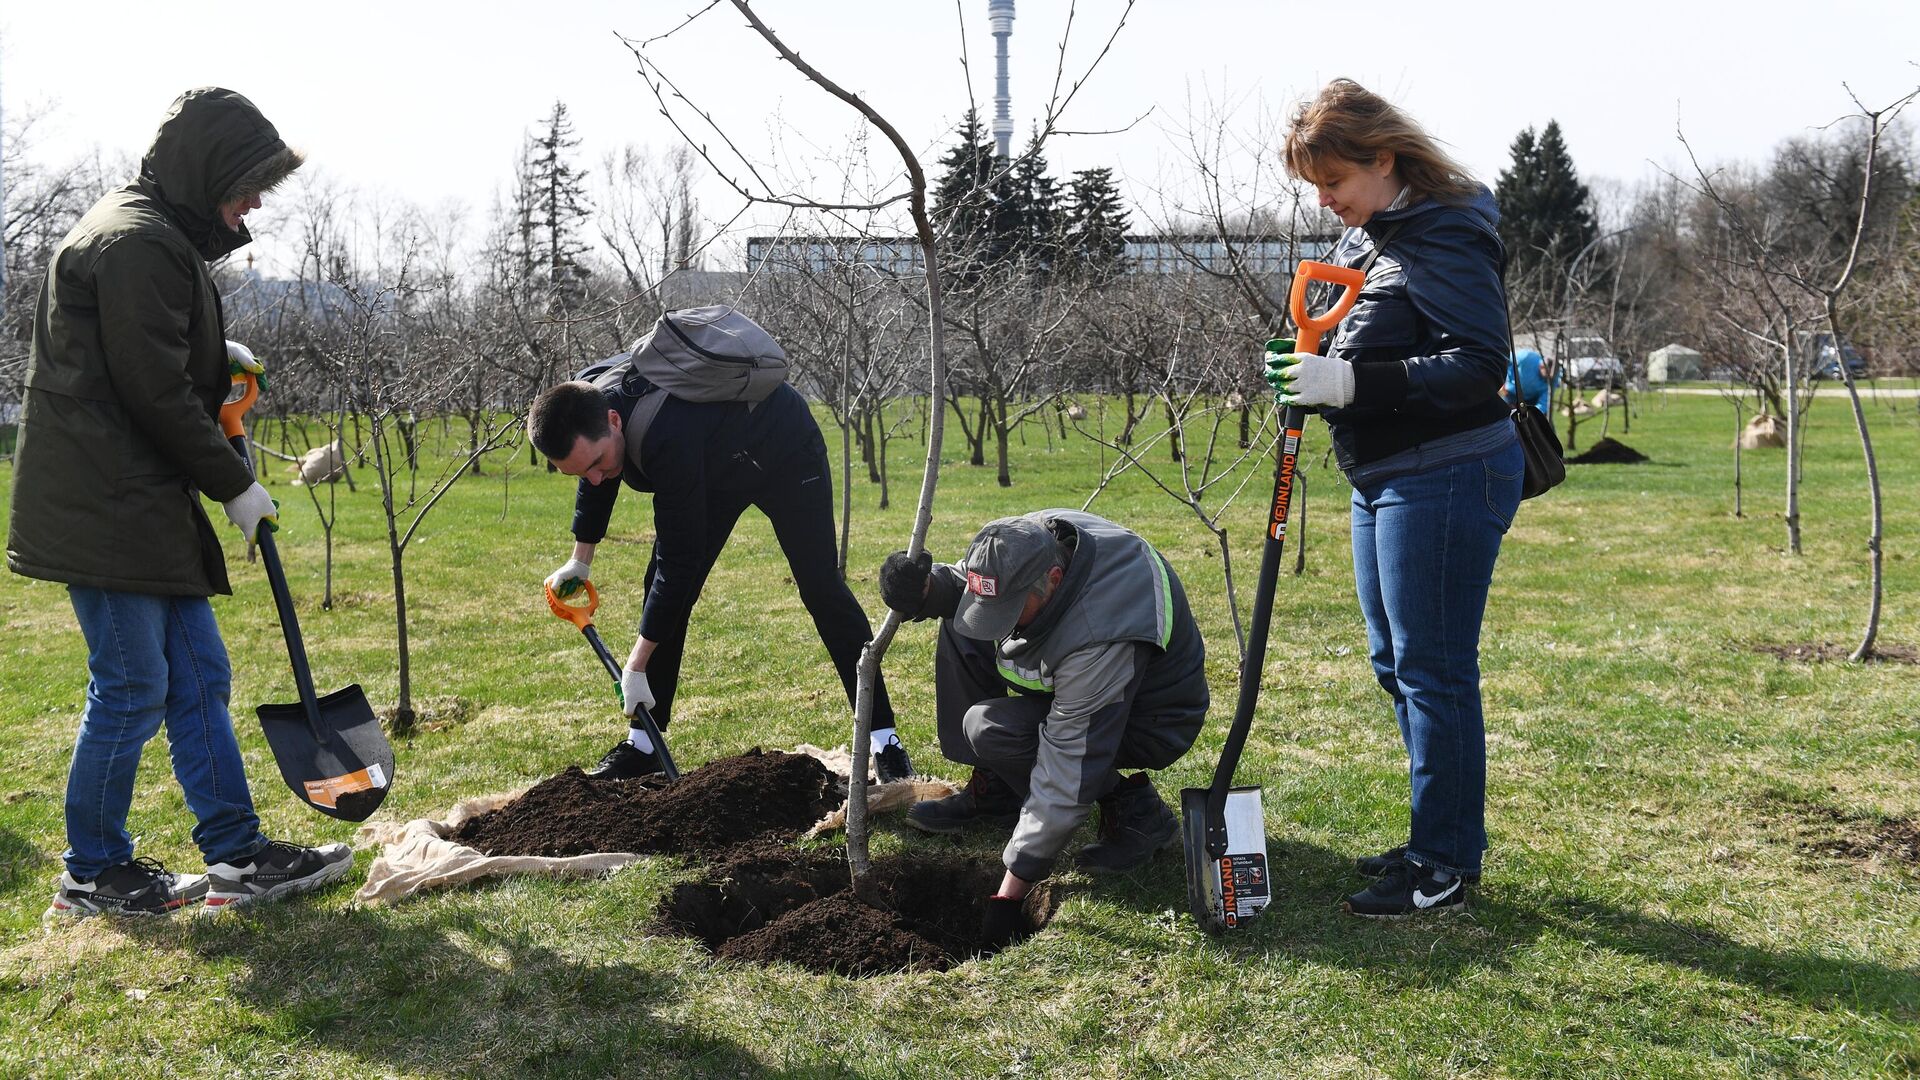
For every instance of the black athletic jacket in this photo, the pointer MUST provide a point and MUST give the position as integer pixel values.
(694, 449)
(1428, 336)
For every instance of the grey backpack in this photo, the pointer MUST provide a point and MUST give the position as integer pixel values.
(711, 353)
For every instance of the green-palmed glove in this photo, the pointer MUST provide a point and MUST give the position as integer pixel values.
(240, 358)
(1310, 380)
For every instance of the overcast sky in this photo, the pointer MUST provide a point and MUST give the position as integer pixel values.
(428, 101)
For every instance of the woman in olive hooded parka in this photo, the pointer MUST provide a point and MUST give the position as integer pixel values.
(119, 437)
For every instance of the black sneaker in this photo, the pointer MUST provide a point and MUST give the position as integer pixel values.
(1405, 890)
(1376, 865)
(891, 763)
(1134, 823)
(627, 762)
(985, 800)
(140, 887)
(278, 870)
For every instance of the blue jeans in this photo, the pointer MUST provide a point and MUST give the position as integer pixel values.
(1423, 551)
(154, 660)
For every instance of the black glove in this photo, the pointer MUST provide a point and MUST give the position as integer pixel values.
(1006, 924)
(903, 581)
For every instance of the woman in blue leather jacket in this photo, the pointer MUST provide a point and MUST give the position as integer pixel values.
(1410, 389)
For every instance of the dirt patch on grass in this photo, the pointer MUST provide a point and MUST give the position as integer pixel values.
(756, 898)
(1817, 652)
(1826, 832)
(1609, 451)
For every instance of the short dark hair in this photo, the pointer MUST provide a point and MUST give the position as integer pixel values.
(564, 414)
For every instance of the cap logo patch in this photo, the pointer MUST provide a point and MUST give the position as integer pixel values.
(981, 585)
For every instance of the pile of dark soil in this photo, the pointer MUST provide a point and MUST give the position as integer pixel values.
(756, 796)
(1609, 451)
(757, 899)
(1839, 834)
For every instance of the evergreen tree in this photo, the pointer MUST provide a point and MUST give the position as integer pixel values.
(966, 197)
(553, 222)
(1546, 213)
(1095, 241)
(1035, 218)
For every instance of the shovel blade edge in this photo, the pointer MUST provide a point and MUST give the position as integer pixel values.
(340, 762)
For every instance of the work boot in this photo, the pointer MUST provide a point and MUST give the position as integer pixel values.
(891, 763)
(985, 800)
(1374, 866)
(274, 872)
(627, 762)
(1134, 823)
(140, 887)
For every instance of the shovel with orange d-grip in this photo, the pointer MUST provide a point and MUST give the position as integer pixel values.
(1224, 827)
(331, 750)
(576, 602)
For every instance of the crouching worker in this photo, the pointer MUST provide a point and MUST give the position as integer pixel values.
(1067, 653)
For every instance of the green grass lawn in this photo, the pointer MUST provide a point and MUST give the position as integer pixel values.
(1684, 879)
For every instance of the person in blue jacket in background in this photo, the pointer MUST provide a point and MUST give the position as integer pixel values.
(1536, 386)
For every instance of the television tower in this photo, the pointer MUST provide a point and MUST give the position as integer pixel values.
(1001, 14)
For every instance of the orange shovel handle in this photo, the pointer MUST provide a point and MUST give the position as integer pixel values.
(580, 615)
(233, 412)
(1312, 327)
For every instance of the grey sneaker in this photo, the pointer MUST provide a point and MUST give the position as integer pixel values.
(278, 870)
(140, 887)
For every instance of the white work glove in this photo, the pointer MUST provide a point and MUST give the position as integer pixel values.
(574, 570)
(1309, 380)
(240, 358)
(634, 691)
(250, 508)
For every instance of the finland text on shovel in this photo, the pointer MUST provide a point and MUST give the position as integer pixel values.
(1223, 828)
(577, 607)
(331, 750)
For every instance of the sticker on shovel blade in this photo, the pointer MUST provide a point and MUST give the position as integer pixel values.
(327, 792)
(1244, 889)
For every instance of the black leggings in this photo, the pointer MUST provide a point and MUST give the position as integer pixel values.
(798, 500)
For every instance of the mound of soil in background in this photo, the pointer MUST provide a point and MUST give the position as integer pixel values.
(757, 899)
(1609, 451)
(758, 795)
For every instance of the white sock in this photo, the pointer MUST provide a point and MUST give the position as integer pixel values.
(638, 737)
(878, 738)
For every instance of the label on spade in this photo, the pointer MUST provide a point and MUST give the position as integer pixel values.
(327, 792)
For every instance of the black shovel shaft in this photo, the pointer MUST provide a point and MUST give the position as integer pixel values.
(642, 719)
(283, 603)
(1255, 661)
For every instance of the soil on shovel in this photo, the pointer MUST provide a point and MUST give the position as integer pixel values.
(757, 899)
(1609, 451)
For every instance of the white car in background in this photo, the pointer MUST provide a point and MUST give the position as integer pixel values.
(1590, 362)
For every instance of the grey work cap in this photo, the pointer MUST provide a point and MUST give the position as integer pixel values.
(1003, 564)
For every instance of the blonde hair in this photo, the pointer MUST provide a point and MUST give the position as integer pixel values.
(1348, 123)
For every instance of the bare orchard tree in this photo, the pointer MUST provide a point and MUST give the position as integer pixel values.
(748, 181)
(391, 368)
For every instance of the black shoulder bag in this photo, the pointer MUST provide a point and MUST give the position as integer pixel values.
(1546, 463)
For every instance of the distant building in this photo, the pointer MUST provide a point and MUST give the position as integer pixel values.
(1166, 253)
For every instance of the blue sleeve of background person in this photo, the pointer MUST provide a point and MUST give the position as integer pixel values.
(1453, 283)
(593, 509)
(676, 454)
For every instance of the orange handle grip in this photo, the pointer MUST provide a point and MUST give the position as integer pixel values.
(580, 615)
(233, 411)
(1312, 327)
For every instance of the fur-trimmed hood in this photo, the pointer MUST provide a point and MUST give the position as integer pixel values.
(213, 146)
